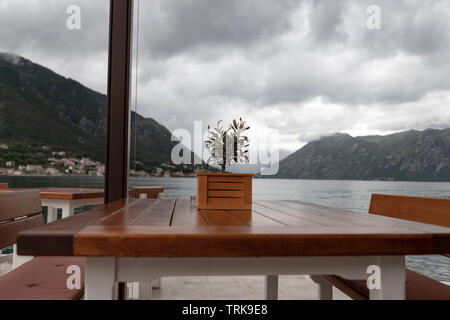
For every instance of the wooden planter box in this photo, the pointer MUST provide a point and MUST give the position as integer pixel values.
(222, 191)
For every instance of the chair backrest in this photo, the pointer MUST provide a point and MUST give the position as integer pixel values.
(424, 210)
(3, 186)
(19, 211)
(151, 192)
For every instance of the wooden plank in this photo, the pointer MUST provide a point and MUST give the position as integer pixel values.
(283, 218)
(260, 220)
(374, 219)
(322, 220)
(223, 218)
(19, 204)
(56, 239)
(225, 186)
(425, 210)
(159, 214)
(254, 219)
(187, 215)
(254, 242)
(128, 214)
(224, 179)
(225, 194)
(228, 203)
(202, 191)
(355, 218)
(238, 218)
(9, 231)
(248, 191)
(307, 215)
(224, 201)
(3, 186)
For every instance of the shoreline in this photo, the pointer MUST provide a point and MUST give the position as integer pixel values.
(256, 177)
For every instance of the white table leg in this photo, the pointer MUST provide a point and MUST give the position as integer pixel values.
(52, 214)
(17, 261)
(135, 291)
(100, 278)
(68, 209)
(393, 281)
(271, 287)
(145, 291)
(132, 291)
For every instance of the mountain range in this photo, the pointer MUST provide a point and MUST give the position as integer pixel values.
(409, 156)
(40, 107)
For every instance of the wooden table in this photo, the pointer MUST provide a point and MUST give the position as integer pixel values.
(67, 199)
(139, 240)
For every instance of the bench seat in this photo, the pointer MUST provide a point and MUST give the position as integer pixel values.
(43, 278)
(418, 287)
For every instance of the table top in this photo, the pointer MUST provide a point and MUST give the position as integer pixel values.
(174, 228)
(65, 193)
(71, 193)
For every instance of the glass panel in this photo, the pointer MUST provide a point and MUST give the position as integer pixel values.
(350, 96)
(53, 83)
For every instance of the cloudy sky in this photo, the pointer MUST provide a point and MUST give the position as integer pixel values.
(306, 68)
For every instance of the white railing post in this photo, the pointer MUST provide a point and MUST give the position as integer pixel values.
(19, 260)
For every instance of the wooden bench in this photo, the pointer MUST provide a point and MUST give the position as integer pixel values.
(42, 278)
(3, 186)
(418, 287)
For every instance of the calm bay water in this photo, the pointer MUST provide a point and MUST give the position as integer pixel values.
(350, 195)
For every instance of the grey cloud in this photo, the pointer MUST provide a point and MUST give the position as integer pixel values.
(269, 60)
(294, 77)
(41, 26)
(413, 26)
(36, 29)
(176, 26)
(325, 19)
